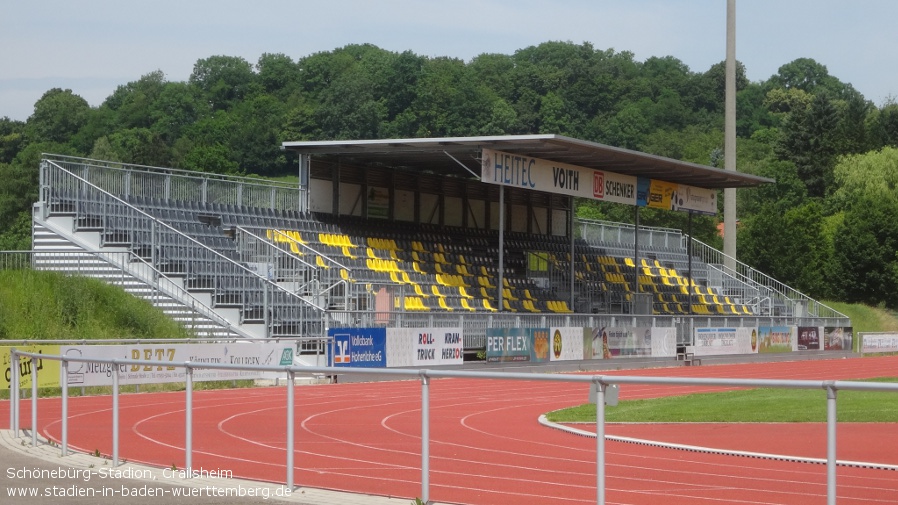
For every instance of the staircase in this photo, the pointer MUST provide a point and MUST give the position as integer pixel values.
(53, 252)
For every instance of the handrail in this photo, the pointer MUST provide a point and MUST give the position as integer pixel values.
(116, 165)
(158, 224)
(754, 277)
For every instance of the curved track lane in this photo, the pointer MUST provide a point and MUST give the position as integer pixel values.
(486, 443)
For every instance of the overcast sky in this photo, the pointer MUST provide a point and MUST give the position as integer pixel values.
(93, 46)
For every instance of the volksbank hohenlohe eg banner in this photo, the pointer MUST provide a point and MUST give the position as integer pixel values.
(498, 167)
(396, 347)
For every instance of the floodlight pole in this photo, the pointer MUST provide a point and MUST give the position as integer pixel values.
(729, 150)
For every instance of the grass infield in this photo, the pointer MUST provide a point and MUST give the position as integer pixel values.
(748, 406)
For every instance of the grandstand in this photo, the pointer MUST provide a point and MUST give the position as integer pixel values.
(399, 233)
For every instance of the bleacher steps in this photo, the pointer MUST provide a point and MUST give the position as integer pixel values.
(57, 259)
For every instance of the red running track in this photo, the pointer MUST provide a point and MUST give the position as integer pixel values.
(486, 444)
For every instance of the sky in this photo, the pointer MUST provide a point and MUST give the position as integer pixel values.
(94, 46)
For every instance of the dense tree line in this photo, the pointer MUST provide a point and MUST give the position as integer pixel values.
(829, 226)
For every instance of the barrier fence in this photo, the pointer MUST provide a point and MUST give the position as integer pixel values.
(599, 382)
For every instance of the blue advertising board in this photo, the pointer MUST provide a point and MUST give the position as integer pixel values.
(359, 347)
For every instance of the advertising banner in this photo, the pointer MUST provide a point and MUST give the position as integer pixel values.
(506, 169)
(100, 374)
(698, 200)
(614, 342)
(517, 344)
(713, 341)
(837, 338)
(359, 347)
(879, 342)
(47, 370)
(655, 194)
(664, 342)
(809, 338)
(567, 344)
(424, 347)
(775, 339)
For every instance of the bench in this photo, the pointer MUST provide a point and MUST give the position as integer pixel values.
(688, 358)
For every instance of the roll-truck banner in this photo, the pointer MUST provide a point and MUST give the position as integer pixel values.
(241, 353)
(47, 369)
(879, 342)
(733, 340)
(809, 338)
(776, 339)
(567, 344)
(517, 344)
(837, 338)
(437, 346)
(359, 347)
(616, 342)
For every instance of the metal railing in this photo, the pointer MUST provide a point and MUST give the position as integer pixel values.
(593, 231)
(176, 254)
(790, 301)
(295, 266)
(599, 382)
(127, 180)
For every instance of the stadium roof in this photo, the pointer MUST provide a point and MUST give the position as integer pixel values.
(460, 157)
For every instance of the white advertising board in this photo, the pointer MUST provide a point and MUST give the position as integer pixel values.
(242, 353)
(566, 344)
(424, 347)
(712, 341)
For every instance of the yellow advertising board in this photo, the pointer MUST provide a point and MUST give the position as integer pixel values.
(47, 370)
(660, 194)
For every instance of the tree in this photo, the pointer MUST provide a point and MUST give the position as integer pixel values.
(278, 75)
(223, 80)
(884, 124)
(808, 140)
(11, 138)
(807, 75)
(789, 246)
(868, 175)
(58, 115)
(135, 102)
(865, 263)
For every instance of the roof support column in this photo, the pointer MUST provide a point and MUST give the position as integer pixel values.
(501, 286)
(305, 163)
(635, 259)
(570, 229)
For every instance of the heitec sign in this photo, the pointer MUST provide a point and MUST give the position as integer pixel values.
(506, 169)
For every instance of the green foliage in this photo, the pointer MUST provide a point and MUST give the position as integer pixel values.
(803, 127)
(47, 305)
(865, 264)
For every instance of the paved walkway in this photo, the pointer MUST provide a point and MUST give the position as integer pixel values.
(46, 478)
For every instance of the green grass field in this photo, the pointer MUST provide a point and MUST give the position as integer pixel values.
(750, 406)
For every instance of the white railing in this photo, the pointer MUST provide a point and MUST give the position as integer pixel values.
(175, 253)
(128, 180)
(599, 382)
(767, 286)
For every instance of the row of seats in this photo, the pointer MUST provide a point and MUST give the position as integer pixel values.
(460, 263)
